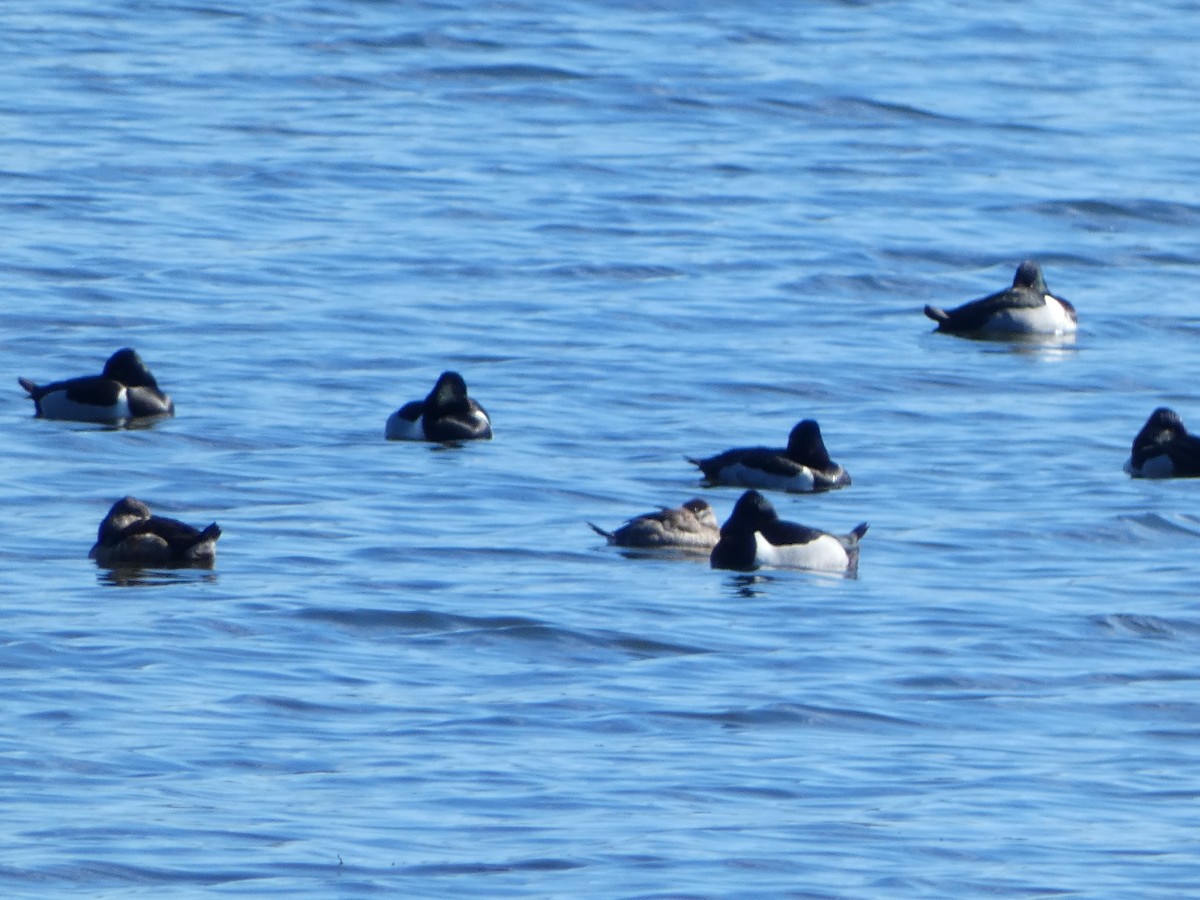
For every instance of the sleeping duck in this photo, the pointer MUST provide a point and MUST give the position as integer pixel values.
(125, 390)
(131, 535)
(692, 526)
(802, 467)
(447, 415)
(1164, 448)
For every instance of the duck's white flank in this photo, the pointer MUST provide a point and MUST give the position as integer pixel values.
(1050, 318)
(56, 405)
(402, 429)
(825, 553)
(1160, 466)
(800, 482)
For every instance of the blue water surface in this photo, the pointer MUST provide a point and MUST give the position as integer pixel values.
(641, 231)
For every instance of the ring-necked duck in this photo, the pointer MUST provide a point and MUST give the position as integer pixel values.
(755, 536)
(124, 390)
(1025, 309)
(446, 415)
(1164, 449)
(802, 467)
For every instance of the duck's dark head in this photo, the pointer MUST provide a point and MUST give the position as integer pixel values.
(736, 548)
(751, 512)
(121, 515)
(129, 506)
(1164, 425)
(1029, 276)
(127, 367)
(450, 391)
(806, 446)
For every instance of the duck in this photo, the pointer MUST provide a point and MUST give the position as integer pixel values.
(123, 391)
(131, 535)
(692, 526)
(447, 415)
(802, 467)
(1164, 448)
(754, 536)
(1026, 309)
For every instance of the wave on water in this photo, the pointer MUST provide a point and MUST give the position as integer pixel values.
(1149, 626)
(616, 272)
(511, 72)
(412, 40)
(1157, 523)
(1145, 209)
(793, 714)
(504, 629)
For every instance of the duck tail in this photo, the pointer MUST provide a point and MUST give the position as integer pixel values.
(607, 535)
(857, 532)
(938, 315)
(30, 387)
(208, 535)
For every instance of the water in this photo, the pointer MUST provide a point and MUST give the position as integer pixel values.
(640, 232)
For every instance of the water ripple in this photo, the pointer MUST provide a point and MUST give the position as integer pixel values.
(502, 628)
(511, 72)
(792, 714)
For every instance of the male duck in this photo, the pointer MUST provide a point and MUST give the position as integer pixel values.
(755, 536)
(124, 390)
(802, 467)
(692, 526)
(1025, 309)
(131, 536)
(446, 415)
(1164, 449)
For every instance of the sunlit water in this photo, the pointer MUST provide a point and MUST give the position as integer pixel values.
(641, 231)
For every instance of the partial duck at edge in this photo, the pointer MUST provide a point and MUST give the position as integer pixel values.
(1164, 448)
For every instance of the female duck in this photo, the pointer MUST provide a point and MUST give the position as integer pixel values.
(446, 415)
(692, 526)
(755, 536)
(131, 536)
(802, 467)
(1026, 309)
(1164, 449)
(124, 390)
